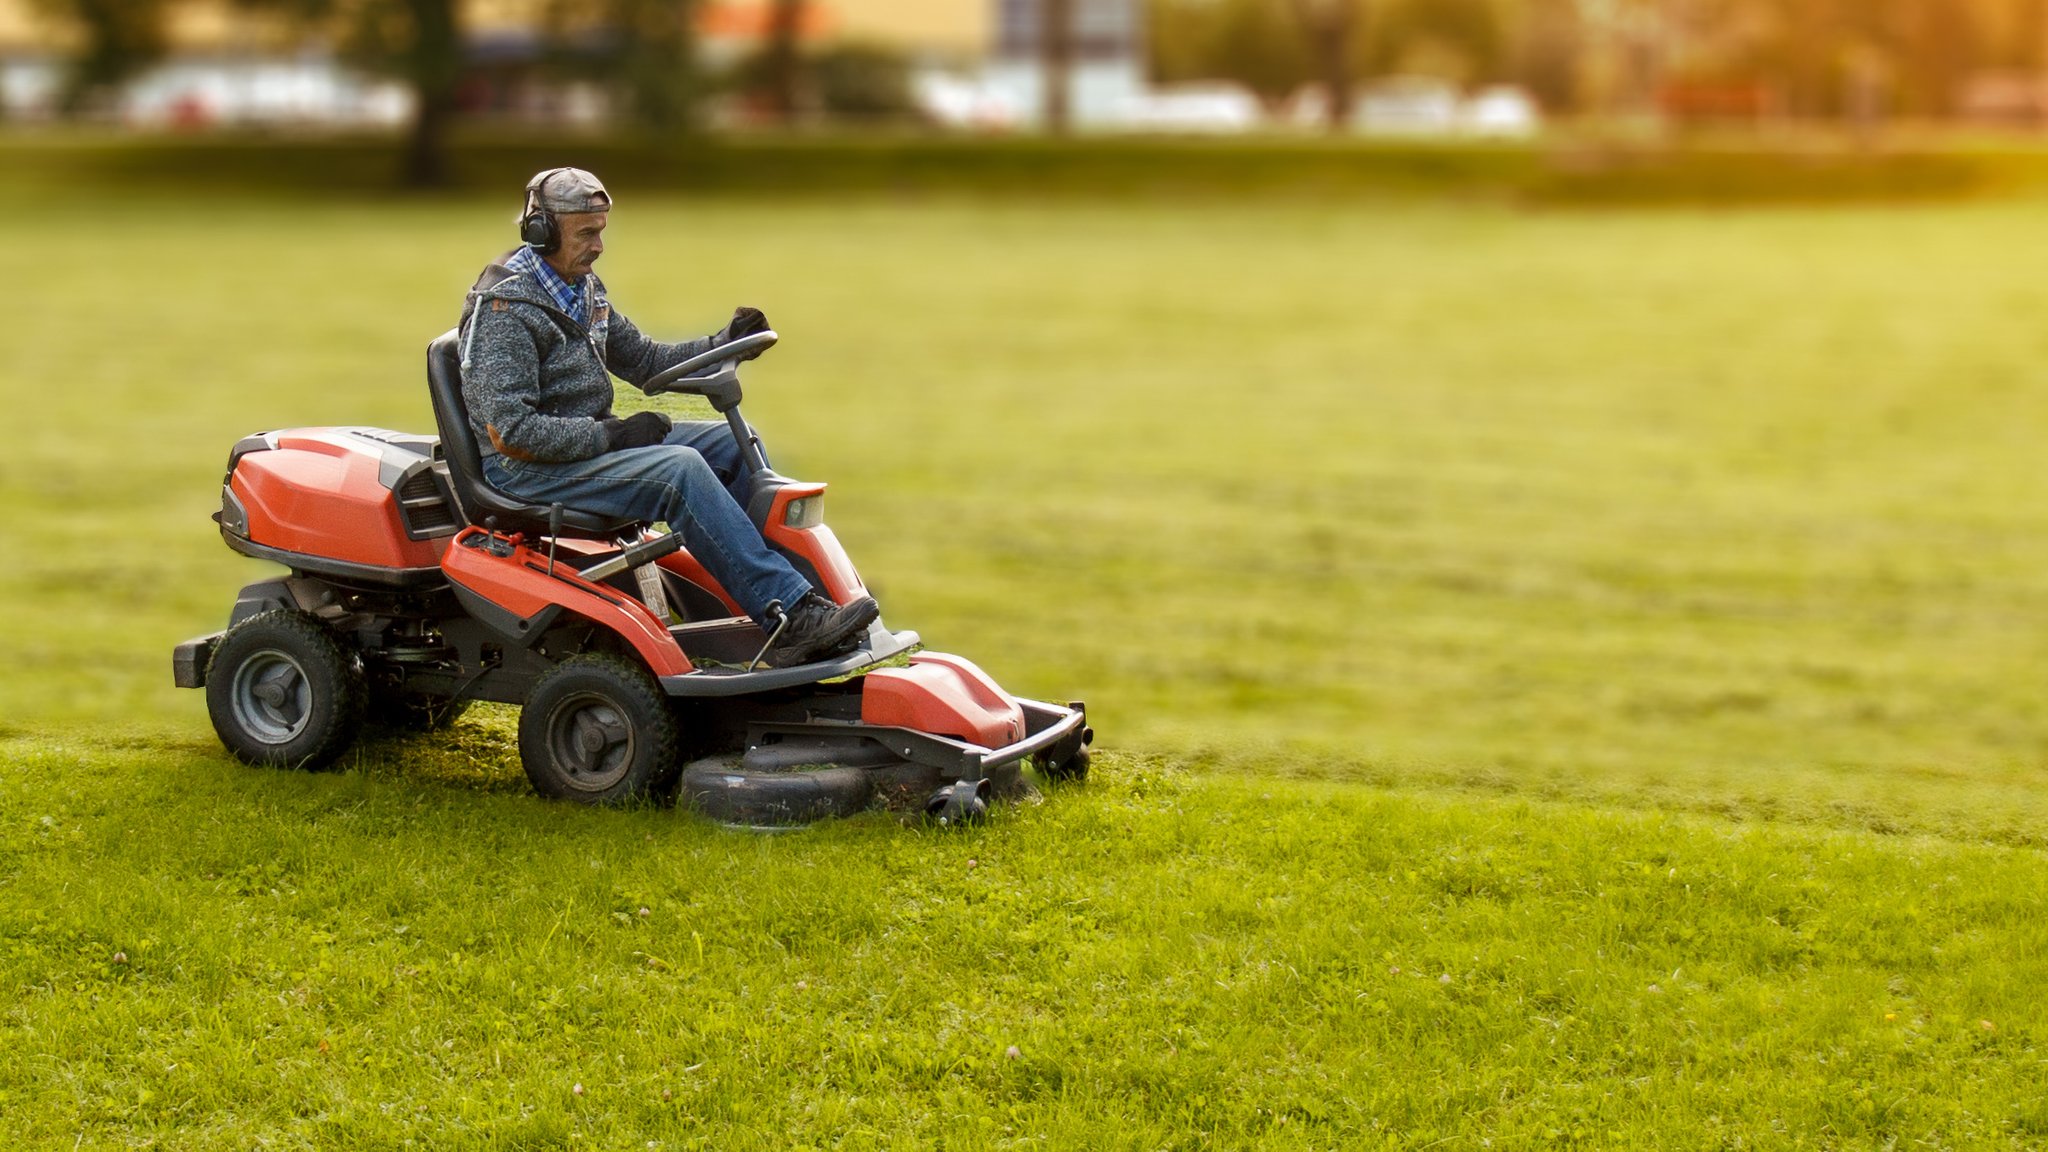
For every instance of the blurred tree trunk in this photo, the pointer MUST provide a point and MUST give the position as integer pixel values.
(1652, 48)
(1328, 24)
(419, 42)
(1056, 49)
(121, 38)
(433, 63)
(1809, 31)
(785, 24)
(2033, 50)
(651, 59)
(1545, 53)
(1943, 44)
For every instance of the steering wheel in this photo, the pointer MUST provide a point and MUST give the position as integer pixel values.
(682, 377)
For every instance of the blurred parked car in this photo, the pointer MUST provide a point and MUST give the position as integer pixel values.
(1408, 106)
(1423, 107)
(193, 94)
(1222, 108)
(961, 102)
(1502, 112)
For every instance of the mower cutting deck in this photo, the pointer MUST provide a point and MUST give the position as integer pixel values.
(415, 587)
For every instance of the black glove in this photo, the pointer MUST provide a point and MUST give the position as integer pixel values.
(640, 430)
(745, 322)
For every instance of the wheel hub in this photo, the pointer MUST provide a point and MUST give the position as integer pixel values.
(591, 740)
(271, 697)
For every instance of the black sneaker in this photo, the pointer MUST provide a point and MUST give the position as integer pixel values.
(819, 628)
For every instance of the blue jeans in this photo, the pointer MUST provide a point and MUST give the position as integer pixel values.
(692, 481)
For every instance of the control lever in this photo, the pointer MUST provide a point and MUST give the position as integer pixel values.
(644, 552)
(499, 546)
(775, 613)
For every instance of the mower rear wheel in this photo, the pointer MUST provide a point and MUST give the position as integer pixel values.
(597, 730)
(283, 693)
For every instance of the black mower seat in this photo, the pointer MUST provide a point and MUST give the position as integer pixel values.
(477, 499)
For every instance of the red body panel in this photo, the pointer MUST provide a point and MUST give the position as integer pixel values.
(816, 544)
(678, 563)
(319, 492)
(945, 696)
(685, 565)
(320, 495)
(520, 584)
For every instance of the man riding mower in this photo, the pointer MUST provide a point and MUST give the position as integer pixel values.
(737, 655)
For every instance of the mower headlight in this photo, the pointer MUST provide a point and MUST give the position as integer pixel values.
(805, 512)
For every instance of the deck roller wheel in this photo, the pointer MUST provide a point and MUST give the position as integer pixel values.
(958, 804)
(1068, 759)
(724, 790)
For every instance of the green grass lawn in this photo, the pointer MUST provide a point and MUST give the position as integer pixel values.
(1562, 604)
(402, 953)
(1743, 512)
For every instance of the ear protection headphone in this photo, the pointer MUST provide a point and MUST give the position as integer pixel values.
(536, 224)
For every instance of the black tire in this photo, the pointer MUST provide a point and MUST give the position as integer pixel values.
(1066, 762)
(597, 730)
(283, 692)
(958, 804)
(396, 711)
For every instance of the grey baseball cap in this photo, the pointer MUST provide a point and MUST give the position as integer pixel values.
(568, 191)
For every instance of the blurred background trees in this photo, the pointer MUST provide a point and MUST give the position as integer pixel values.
(117, 38)
(1801, 58)
(667, 66)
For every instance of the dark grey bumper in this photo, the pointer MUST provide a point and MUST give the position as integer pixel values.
(1045, 725)
(189, 660)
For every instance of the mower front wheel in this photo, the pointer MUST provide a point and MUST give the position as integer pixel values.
(597, 730)
(283, 693)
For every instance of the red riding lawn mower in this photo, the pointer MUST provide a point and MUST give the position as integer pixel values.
(416, 588)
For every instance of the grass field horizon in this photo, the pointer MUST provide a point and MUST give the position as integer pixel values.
(1451, 584)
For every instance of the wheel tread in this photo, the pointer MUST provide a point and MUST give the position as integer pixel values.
(307, 639)
(656, 723)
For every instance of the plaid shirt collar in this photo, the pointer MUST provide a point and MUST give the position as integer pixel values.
(570, 298)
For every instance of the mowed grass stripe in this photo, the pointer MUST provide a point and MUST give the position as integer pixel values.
(354, 959)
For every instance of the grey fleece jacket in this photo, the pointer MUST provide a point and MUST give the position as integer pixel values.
(536, 382)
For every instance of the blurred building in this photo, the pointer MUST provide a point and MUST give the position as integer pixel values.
(1107, 84)
(1105, 81)
(1424, 107)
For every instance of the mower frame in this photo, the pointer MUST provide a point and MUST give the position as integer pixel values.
(415, 588)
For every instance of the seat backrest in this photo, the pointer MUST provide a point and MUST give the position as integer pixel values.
(474, 495)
